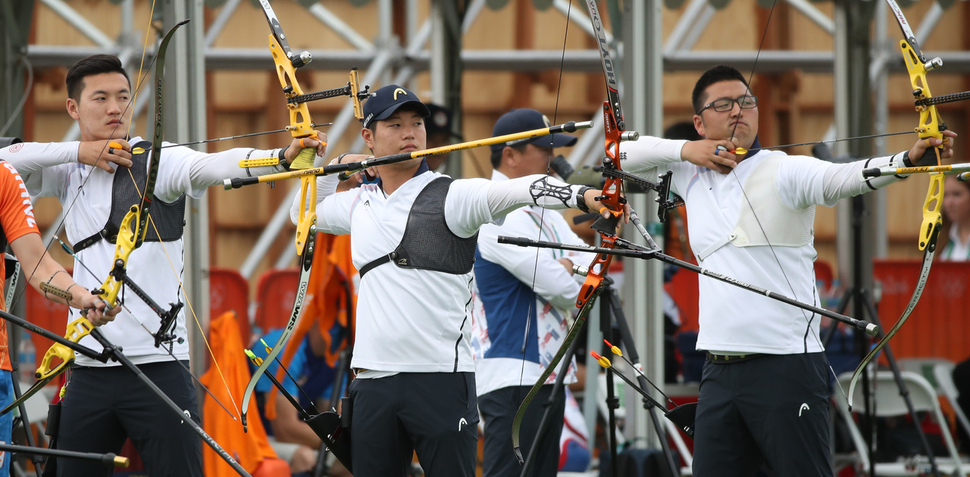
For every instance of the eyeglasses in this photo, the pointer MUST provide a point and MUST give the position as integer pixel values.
(726, 104)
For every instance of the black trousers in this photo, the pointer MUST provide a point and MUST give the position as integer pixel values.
(433, 414)
(498, 410)
(772, 409)
(103, 406)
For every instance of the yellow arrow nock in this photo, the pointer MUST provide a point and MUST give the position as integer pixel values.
(602, 360)
(615, 349)
(252, 357)
(269, 349)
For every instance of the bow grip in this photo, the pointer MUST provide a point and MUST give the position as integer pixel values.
(607, 226)
(304, 160)
(931, 156)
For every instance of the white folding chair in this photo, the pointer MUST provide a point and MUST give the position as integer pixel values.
(888, 402)
(922, 366)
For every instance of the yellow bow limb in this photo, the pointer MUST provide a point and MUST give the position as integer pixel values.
(932, 218)
(128, 238)
(300, 124)
(76, 330)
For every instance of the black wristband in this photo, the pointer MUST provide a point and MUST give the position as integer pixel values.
(581, 198)
(282, 157)
(906, 161)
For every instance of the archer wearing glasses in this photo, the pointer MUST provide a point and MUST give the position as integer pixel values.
(726, 104)
(764, 394)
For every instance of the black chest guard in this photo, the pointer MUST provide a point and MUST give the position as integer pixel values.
(428, 243)
(167, 218)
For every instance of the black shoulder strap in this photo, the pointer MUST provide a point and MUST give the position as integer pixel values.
(167, 219)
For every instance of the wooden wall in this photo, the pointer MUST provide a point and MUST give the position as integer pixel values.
(797, 106)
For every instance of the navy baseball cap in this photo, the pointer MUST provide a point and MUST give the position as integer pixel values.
(385, 101)
(518, 120)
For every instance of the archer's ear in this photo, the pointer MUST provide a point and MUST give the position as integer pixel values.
(368, 136)
(699, 125)
(509, 157)
(72, 107)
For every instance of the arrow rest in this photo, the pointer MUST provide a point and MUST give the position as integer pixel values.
(666, 200)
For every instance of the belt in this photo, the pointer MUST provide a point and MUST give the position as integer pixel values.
(731, 359)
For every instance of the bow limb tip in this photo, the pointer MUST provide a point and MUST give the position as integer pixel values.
(683, 416)
(518, 455)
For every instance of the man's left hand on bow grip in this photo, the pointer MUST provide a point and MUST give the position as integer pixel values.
(302, 149)
(96, 310)
(595, 205)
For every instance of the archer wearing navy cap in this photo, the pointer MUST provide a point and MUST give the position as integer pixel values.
(523, 293)
(519, 120)
(413, 236)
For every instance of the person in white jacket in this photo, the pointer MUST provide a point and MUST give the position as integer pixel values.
(527, 296)
(96, 185)
(413, 237)
(764, 394)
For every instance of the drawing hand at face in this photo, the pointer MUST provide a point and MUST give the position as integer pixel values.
(103, 153)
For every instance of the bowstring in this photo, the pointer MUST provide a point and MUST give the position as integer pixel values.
(809, 330)
(175, 273)
(542, 210)
(139, 82)
(168, 350)
(142, 76)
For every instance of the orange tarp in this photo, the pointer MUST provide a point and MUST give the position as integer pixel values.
(938, 326)
(249, 449)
